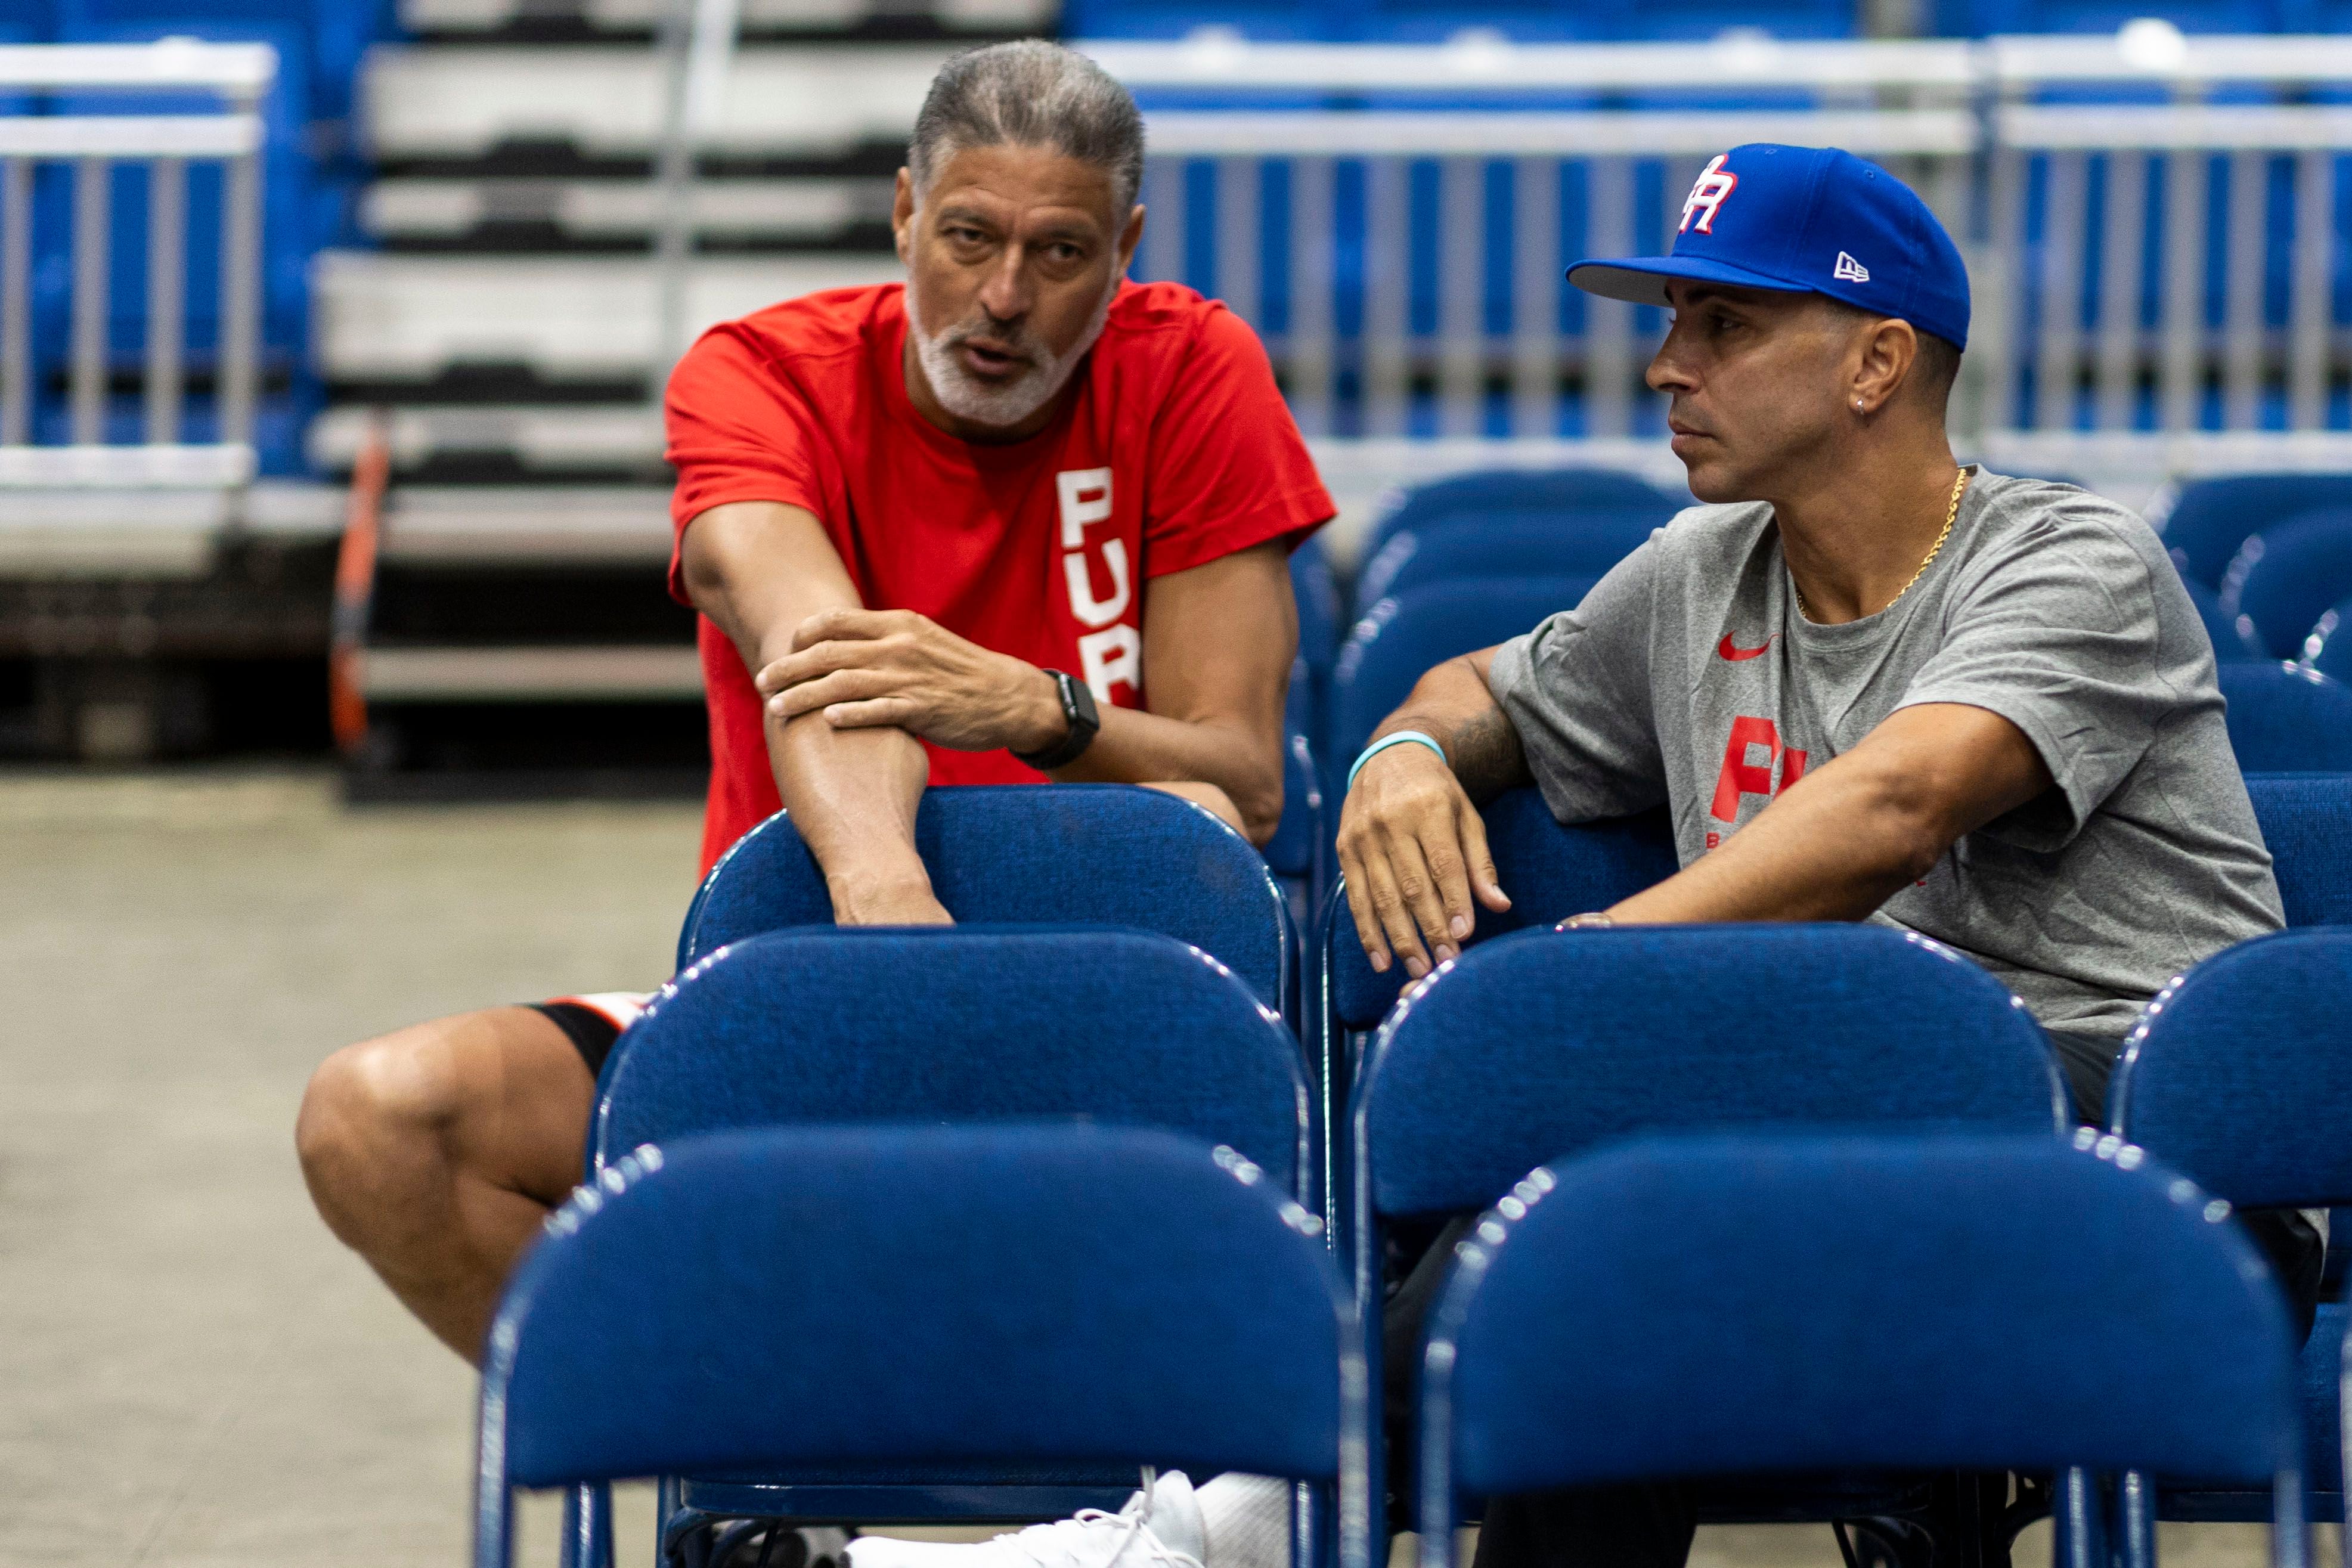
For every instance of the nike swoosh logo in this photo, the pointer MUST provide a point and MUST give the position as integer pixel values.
(1728, 650)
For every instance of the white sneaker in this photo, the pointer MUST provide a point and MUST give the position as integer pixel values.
(1158, 1528)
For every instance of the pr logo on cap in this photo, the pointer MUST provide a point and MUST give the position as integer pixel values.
(1849, 270)
(1715, 183)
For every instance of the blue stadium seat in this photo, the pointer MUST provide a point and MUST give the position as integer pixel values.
(827, 1026)
(785, 1029)
(2238, 1081)
(2208, 518)
(2284, 576)
(1564, 1041)
(2233, 641)
(1569, 545)
(1400, 641)
(666, 1320)
(1500, 495)
(2284, 718)
(1690, 1306)
(1066, 854)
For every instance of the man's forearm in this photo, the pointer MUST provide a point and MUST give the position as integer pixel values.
(1137, 747)
(853, 794)
(1452, 706)
(758, 572)
(1834, 846)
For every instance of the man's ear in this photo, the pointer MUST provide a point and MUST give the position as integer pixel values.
(1890, 353)
(902, 217)
(1129, 238)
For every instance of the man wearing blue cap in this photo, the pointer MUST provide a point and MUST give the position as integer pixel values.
(1866, 683)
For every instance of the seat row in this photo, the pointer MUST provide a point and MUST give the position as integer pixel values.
(761, 1397)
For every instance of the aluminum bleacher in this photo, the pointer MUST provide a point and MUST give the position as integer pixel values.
(552, 216)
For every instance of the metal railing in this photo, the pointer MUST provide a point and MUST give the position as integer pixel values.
(238, 76)
(2151, 223)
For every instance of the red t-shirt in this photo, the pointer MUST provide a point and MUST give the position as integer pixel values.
(1176, 450)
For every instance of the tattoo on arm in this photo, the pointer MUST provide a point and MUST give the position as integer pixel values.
(1453, 705)
(1486, 755)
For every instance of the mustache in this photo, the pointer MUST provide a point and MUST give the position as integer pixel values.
(1015, 342)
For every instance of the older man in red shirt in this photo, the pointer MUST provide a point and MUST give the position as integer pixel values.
(1018, 519)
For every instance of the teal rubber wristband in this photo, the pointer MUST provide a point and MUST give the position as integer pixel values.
(1399, 739)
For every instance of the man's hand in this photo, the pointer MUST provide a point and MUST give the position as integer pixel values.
(869, 667)
(1414, 849)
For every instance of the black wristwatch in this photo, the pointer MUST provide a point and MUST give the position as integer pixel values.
(1078, 710)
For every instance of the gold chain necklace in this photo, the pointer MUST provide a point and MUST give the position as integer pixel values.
(1951, 515)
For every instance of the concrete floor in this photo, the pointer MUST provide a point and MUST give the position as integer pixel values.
(192, 1373)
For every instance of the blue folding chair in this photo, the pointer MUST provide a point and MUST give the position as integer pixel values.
(1496, 495)
(1109, 854)
(2237, 1077)
(1021, 1297)
(1698, 1307)
(1571, 544)
(967, 1025)
(1401, 639)
(2233, 641)
(2204, 522)
(2306, 823)
(2284, 577)
(1562, 1041)
(2284, 718)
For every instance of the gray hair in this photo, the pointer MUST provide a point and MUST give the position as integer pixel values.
(1030, 93)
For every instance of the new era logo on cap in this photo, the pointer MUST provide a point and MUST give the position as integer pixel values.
(1799, 220)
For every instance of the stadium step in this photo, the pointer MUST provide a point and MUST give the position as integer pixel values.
(382, 319)
(514, 214)
(393, 674)
(447, 104)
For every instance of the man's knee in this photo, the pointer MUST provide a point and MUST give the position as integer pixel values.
(372, 1111)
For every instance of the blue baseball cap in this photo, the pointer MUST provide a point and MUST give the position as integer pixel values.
(1804, 220)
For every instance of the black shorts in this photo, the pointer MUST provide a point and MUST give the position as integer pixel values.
(593, 1021)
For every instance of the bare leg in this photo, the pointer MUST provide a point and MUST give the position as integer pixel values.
(1209, 795)
(436, 1151)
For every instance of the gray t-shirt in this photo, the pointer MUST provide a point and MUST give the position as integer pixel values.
(1686, 677)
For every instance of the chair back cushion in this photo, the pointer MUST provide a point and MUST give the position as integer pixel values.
(1564, 545)
(2237, 1076)
(2210, 518)
(1696, 1306)
(2284, 577)
(1109, 854)
(920, 1297)
(964, 1025)
(1400, 641)
(2306, 823)
(1495, 495)
(1545, 1044)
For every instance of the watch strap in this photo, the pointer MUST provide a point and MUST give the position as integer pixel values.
(1079, 712)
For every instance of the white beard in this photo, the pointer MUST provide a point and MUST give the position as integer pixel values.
(1007, 406)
